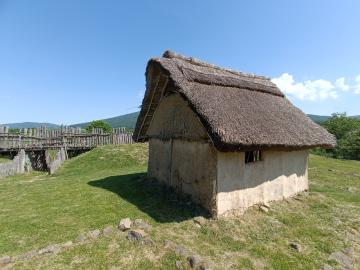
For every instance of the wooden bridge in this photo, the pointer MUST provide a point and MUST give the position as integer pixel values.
(67, 137)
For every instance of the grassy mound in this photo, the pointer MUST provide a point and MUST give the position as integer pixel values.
(4, 159)
(100, 187)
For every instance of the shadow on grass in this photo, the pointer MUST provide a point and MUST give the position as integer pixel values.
(151, 197)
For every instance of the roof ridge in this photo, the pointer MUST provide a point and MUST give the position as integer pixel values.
(194, 61)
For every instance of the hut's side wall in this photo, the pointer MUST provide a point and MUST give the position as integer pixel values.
(279, 175)
(179, 152)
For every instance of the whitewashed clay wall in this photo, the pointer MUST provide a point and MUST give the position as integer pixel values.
(179, 153)
(279, 175)
(182, 156)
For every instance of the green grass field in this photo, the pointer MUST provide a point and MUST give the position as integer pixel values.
(4, 159)
(100, 187)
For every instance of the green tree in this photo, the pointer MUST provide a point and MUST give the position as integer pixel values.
(339, 124)
(99, 124)
(347, 133)
(349, 146)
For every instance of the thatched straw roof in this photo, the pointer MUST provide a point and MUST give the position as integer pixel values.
(240, 111)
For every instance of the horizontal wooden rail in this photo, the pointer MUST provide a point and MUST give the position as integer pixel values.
(46, 139)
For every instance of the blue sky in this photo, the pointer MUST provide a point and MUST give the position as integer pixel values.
(74, 61)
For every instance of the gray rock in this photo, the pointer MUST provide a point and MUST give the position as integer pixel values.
(349, 251)
(141, 224)
(194, 261)
(263, 208)
(125, 224)
(50, 249)
(342, 259)
(296, 246)
(148, 242)
(108, 230)
(95, 234)
(5, 260)
(181, 251)
(203, 267)
(81, 238)
(27, 256)
(200, 220)
(136, 235)
(67, 244)
(179, 265)
(326, 267)
(168, 244)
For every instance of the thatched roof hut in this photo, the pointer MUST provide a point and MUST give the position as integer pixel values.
(194, 113)
(240, 111)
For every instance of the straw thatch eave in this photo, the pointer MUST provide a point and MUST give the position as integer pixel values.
(240, 111)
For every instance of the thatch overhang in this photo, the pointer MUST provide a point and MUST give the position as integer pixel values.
(239, 111)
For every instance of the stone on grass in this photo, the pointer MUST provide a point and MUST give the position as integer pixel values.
(201, 221)
(203, 267)
(181, 251)
(168, 244)
(349, 251)
(296, 246)
(179, 265)
(108, 230)
(141, 224)
(136, 235)
(5, 260)
(342, 259)
(50, 249)
(194, 261)
(67, 244)
(125, 224)
(263, 208)
(95, 234)
(326, 267)
(28, 255)
(81, 238)
(148, 242)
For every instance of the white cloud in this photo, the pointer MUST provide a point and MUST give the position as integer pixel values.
(340, 83)
(308, 90)
(357, 85)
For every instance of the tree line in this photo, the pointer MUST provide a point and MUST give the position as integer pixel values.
(347, 132)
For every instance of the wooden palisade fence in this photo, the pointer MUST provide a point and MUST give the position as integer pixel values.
(68, 137)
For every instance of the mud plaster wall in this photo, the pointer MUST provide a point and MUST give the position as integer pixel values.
(179, 152)
(188, 167)
(173, 118)
(279, 175)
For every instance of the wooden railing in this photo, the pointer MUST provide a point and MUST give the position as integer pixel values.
(43, 138)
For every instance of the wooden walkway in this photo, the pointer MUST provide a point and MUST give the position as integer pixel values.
(69, 138)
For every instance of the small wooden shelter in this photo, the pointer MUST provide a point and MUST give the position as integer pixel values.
(229, 139)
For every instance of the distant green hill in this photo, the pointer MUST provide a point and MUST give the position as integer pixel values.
(322, 118)
(126, 120)
(30, 125)
(318, 118)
